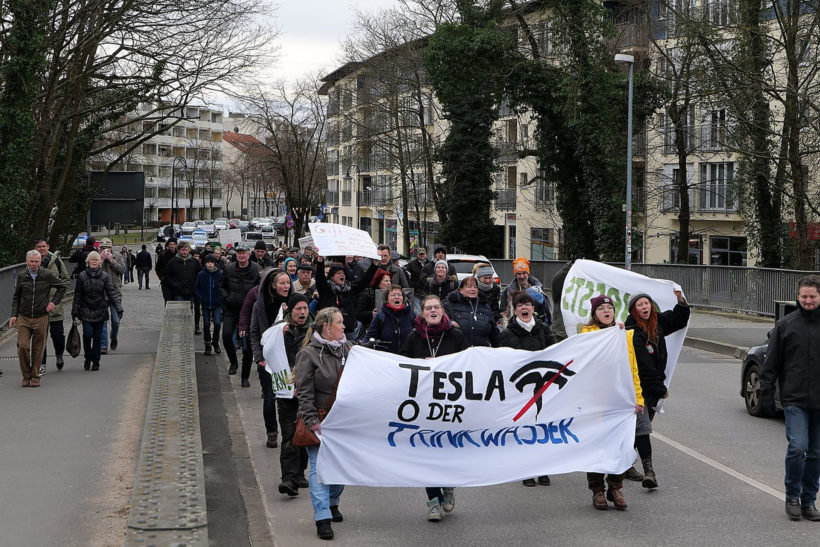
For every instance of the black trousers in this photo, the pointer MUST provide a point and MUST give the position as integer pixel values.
(230, 321)
(268, 400)
(197, 312)
(292, 459)
(57, 332)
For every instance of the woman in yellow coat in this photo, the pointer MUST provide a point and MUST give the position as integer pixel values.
(602, 313)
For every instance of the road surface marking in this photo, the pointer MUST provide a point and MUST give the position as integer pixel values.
(720, 467)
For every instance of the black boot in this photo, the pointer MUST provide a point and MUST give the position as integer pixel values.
(323, 529)
(216, 349)
(207, 349)
(649, 478)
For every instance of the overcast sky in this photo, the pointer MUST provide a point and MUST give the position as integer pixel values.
(311, 33)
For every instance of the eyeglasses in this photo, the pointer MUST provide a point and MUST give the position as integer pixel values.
(431, 308)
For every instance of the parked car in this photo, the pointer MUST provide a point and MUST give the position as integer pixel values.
(167, 231)
(251, 238)
(200, 239)
(81, 238)
(464, 265)
(244, 226)
(188, 228)
(221, 224)
(209, 229)
(233, 223)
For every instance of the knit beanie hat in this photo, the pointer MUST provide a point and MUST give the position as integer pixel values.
(446, 266)
(634, 298)
(295, 298)
(333, 269)
(597, 301)
(521, 264)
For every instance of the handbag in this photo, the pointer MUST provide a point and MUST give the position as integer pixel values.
(73, 344)
(303, 435)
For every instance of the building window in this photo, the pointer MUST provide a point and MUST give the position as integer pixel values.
(713, 130)
(544, 193)
(727, 251)
(541, 244)
(695, 250)
(716, 187)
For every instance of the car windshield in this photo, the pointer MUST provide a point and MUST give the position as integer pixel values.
(463, 266)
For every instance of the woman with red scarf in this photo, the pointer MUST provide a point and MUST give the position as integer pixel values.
(434, 336)
(394, 321)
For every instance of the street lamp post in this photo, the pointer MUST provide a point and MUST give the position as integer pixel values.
(621, 58)
(174, 189)
(348, 178)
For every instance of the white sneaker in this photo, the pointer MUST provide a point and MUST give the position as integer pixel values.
(42, 369)
(433, 510)
(449, 501)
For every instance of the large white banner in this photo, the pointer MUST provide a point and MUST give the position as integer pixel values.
(481, 416)
(587, 279)
(339, 240)
(276, 360)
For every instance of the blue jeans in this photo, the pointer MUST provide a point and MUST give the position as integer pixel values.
(115, 325)
(92, 338)
(322, 496)
(207, 315)
(803, 454)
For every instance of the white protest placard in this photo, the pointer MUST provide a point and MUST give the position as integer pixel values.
(339, 240)
(587, 279)
(306, 241)
(481, 416)
(276, 359)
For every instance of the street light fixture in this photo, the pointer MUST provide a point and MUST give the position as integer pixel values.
(622, 58)
(173, 189)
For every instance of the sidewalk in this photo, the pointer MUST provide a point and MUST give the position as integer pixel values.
(726, 333)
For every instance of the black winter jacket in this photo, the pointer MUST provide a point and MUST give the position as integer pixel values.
(260, 316)
(793, 360)
(515, 336)
(235, 284)
(90, 297)
(418, 348)
(441, 290)
(162, 263)
(143, 260)
(475, 319)
(493, 294)
(345, 301)
(181, 274)
(652, 357)
(392, 327)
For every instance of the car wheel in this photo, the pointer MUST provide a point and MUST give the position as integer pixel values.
(751, 382)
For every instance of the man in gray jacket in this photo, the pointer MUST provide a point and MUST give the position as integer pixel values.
(30, 305)
(793, 361)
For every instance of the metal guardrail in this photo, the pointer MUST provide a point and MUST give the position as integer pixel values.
(746, 290)
(168, 502)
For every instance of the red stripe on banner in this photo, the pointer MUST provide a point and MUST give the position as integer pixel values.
(540, 392)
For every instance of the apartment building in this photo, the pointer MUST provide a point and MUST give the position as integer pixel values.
(182, 163)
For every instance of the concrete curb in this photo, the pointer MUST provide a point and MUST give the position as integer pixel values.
(716, 347)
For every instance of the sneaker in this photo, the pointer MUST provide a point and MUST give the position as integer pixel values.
(449, 501)
(272, 442)
(288, 487)
(529, 482)
(337, 515)
(599, 501)
(793, 509)
(113, 344)
(433, 510)
(633, 475)
(60, 363)
(302, 482)
(810, 512)
(544, 480)
(323, 529)
(42, 369)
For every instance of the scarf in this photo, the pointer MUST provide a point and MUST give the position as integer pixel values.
(94, 272)
(339, 289)
(432, 331)
(528, 326)
(330, 343)
(484, 288)
(392, 307)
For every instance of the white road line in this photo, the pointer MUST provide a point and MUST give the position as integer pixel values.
(720, 467)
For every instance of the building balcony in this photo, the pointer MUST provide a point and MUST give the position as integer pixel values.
(346, 197)
(331, 198)
(505, 199)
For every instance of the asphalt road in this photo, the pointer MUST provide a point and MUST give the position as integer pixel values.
(720, 472)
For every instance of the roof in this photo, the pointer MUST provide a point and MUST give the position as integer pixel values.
(242, 142)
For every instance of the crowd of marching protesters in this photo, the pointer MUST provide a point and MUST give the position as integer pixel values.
(421, 310)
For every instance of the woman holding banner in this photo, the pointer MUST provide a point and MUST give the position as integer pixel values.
(650, 329)
(602, 313)
(525, 331)
(433, 336)
(319, 366)
(468, 309)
